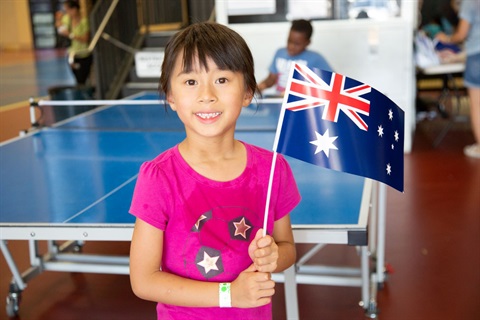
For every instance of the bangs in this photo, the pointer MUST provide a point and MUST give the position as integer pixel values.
(206, 42)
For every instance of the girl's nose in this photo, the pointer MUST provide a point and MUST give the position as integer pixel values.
(207, 94)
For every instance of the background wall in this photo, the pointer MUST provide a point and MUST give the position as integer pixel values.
(15, 26)
(379, 53)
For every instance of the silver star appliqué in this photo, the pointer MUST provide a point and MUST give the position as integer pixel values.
(324, 143)
(241, 228)
(209, 263)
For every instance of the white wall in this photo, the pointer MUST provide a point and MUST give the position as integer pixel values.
(379, 53)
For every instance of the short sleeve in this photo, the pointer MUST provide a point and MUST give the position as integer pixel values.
(287, 195)
(273, 66)
(148, 202)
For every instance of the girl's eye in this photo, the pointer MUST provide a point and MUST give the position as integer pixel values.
(222, 80)
(190, 82)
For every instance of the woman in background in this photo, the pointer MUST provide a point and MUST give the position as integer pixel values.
(76, 28)
(468, 30)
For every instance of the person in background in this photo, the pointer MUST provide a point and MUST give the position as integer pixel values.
(77, 29)
(468, 30)
(296, 51)
(445, 21)
(198, 248)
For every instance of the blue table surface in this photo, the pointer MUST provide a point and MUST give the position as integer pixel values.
(59, 175)
(62, 173)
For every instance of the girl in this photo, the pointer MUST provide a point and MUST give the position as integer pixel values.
(197, 247)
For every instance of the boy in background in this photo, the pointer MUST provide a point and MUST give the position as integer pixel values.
(295, 51)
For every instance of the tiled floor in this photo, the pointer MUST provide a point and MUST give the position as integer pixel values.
(433, 234)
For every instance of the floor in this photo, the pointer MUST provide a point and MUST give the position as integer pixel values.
(432, 245)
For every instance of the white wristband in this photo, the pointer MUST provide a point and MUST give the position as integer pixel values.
(224, 295)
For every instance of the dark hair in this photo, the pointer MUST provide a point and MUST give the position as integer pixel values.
(302, 26)
(72, 4)
(211, 40)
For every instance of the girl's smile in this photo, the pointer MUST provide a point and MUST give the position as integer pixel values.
(208, 115)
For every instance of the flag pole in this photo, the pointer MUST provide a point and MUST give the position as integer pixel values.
(275, 145)
(269, 193)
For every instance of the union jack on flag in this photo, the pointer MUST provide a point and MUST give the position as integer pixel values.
(339, 123)
(332, 93)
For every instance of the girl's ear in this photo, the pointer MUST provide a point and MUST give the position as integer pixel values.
(171, 102)
(247, 99)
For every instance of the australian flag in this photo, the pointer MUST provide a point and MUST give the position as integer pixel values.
(339, 123)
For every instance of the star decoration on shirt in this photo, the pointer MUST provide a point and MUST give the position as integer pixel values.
(197, 224)
(390, 114)
(389, 169)
(324, 143)
(208, 263)
(241, 228)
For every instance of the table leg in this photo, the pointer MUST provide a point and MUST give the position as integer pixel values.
(291, 297)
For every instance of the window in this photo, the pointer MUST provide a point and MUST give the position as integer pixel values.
(251, 11)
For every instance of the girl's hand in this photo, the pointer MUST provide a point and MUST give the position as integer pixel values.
(264, 252)
(252, 288)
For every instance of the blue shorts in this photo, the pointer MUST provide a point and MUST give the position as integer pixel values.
(471, 76)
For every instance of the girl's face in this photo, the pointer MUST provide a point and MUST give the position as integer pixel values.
(207, 102)
(297, 43)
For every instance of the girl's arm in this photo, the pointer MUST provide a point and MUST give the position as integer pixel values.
(150, 283)
(283, 235)
(250, 289)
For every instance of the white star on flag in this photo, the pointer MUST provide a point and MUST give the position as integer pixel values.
(324, 143)
(389, 169)
(380, 131)
(208, 263)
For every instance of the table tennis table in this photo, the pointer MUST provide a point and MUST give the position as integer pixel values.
(73, 182)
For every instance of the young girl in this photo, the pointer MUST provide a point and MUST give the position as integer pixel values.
(198, 248)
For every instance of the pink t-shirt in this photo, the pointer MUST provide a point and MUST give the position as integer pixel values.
(208, 225)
